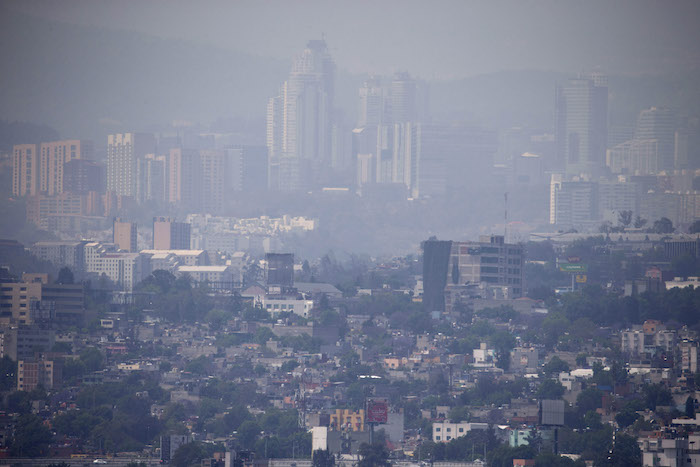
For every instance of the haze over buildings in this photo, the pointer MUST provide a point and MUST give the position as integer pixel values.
(285, 234)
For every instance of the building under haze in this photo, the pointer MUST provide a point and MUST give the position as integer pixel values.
(124, 235)
(489, 263)
(169, 234)
(581, 119)
(373, 104)
(184, 172)
(125, 155)
(280, 269)
(299, 121)
(39, 168)
(81, 176)
(659, 124)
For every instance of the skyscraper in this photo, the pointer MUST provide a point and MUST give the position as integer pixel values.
(403, 98)
(214, 169)
(581, 119)
(184, 174)
(153, 178)
(372, 104)
(125, 153)
(660, 124)
(299, 121)
(246, 168)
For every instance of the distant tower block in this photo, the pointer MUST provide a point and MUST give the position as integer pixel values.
(280, 269)
(170, 235)
(124, 235)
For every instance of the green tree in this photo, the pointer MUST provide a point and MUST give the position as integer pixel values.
(624, 218)
(626, 417)
(581, 360)
(694, 227)
(639, 222)
(589, 399)
(550, 389)
(323, 457)
(373, 455)
(656, 394)
(248, 432)
(625, 452)
(188, 454)
(31, 437)
(92, 359)
(592, 420)
(663, 226)
(555, 366)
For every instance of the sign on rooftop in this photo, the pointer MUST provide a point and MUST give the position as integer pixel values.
(377, 410)
(573, 267)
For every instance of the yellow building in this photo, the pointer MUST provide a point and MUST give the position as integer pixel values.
(345, 419)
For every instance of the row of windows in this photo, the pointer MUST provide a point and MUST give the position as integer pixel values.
(448, 429)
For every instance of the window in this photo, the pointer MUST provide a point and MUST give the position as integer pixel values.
(437, 429)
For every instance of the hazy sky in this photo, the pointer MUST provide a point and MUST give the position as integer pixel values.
(432, 39)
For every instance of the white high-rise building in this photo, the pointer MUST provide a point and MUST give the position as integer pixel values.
(582, 125)
(299, 121)
(659, 124)
(372, 104)
(125, 152)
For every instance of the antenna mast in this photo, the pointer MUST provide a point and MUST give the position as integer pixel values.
(505, 223)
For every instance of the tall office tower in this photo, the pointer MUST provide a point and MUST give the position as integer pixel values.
(372, 104)
(403, 98)
(213, 179)
(304, 114)
(429, 159)
(184, 172)
(81, 176)
(659, 124)
(681, 148)
(170, 235)
(573, 203)
(436, 257)
(124, 155)
(25, 170)
(53, 156)
(246, 169)
(275, 125)
(152, 170)
(226, 172)
(124, 235)
(280, 269)
(365, 170)
(404, 162)
(581, 120)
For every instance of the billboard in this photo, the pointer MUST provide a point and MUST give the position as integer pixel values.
(573, 267)
(552, 412)
(377, 410)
